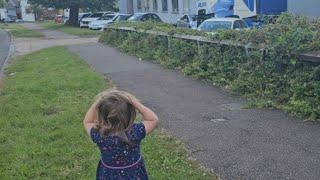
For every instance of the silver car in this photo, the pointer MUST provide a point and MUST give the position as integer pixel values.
(187, 21)
(214, 24)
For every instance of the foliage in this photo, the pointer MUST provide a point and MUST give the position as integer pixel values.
(74, 6)
(2, 3)
(85, 4)
(42, 105)
(269, 75)
(158, 26)
(20, 31)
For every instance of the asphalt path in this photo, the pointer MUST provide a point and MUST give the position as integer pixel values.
(234, 142)
(4, 47)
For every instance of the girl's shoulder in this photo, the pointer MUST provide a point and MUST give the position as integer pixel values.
(136, 133)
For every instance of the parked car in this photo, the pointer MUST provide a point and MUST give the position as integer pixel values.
(202, 17)
(58, 19)
(85, 21)
(119, 18)
(145, 17)
(106, 20)
(99, 23)
(187, 21)
(7, 20)
(83, 15)
(214, 24)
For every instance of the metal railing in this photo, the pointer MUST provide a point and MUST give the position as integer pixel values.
(313, 57)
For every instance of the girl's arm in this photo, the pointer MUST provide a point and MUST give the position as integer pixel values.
(150, 119)
(90, 118)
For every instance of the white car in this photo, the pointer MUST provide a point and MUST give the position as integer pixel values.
(214, 24)
(106, 20)
(85, 21)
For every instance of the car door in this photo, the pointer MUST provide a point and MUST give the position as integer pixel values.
(145, 17)
(183, 22)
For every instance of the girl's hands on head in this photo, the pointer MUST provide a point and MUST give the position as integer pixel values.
(150, 119)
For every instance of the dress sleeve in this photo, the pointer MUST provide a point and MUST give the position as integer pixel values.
(95, 136)
(138, 132)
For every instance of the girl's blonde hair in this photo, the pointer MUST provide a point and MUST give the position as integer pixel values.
(116, 113)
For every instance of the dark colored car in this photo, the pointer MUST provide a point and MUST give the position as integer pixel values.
(145, 17)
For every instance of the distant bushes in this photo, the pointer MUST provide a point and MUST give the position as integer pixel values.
(275, 78)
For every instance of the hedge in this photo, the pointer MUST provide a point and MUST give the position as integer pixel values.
(276, 79)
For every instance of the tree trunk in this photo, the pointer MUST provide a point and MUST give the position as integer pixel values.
(74, 15)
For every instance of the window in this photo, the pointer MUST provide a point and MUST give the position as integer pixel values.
(186, 6)
(139, 4)
(155, 17)
(155, 5)
(147, 5)
(164, 5)
(185, 19)
(175, 6)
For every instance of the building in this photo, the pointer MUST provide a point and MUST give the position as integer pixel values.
(308, 8)
(168, 10)
(18, 9)
(171, 10)
(26, 11)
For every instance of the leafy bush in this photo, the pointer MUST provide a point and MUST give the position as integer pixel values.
(270, 75)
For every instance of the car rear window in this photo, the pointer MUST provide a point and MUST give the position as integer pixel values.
(135, 17)
(94, 15)
(107, 17)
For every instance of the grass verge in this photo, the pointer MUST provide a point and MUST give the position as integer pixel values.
(42, 104)
(77, 31)
(20, 31)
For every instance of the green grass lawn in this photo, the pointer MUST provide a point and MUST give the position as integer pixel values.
(77, 31)
(42, 104)
(20, 31)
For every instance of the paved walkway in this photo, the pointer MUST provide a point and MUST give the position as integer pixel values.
(52, 38)
(235, 143)
(4, 48)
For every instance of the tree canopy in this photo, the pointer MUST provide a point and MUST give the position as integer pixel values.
(74, 5)
(85, 4)
(2, 3)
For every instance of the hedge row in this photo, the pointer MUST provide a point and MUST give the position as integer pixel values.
(273, 80)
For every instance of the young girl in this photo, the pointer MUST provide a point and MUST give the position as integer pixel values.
(110, 123)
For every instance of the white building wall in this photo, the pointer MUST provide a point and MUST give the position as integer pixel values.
(309, 8)
(26, 16)
(3, 13)
(169, 16)
(125, 6)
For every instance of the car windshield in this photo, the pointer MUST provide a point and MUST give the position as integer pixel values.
(95, 15)
(209, 26)
(135, 17)
(85, 15)
(122, 17)
(107, 17)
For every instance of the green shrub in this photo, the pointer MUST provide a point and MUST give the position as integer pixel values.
(269, 75)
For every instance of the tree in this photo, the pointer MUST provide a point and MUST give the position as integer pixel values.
(75, 5)
(2, 3)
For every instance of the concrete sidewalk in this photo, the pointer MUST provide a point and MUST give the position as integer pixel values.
(5, 43)
(52, 38)
(235, 143)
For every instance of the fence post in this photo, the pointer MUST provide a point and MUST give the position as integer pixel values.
(198, 44)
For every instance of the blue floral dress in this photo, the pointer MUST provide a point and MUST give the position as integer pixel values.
(120, 160)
